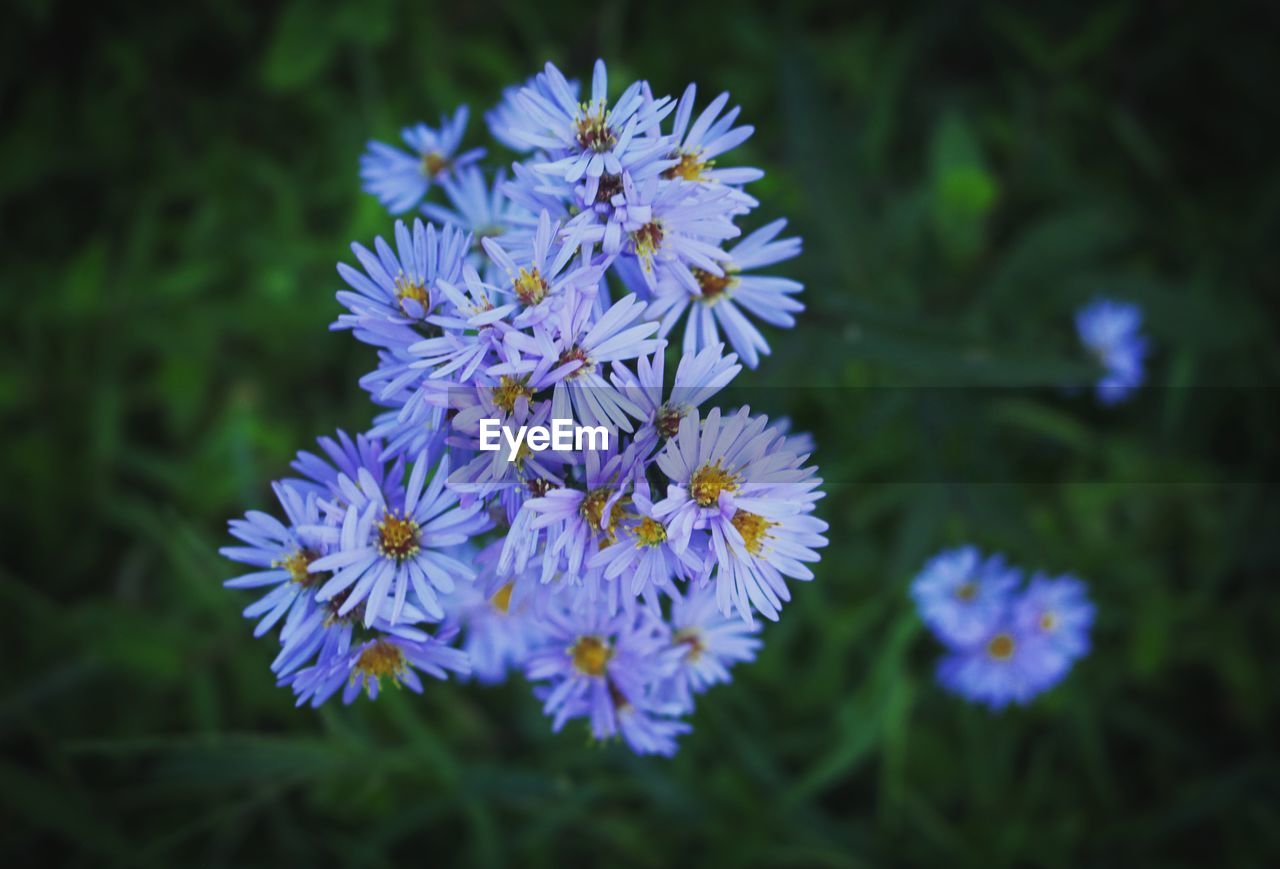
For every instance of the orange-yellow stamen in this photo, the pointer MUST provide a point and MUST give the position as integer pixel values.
(530, 287)
(709, 481)
(754, 529)
(433, 163)
(590, 655)
(501, 599)
(714, 287)
(689, 167)
(508, 392)
(296, 563)
(650, 533)
(381, 659)
(397, 537)
(1000, 647)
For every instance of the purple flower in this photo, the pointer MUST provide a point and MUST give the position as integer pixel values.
(720, 298)
(607, 669)
(362, 669)
(586, 140)
(735, 479)
(638, 553)
(395, 290)
(696, 149)
(1110, 332)
(282, 553)
(400, 179)
(1059, 610)
(497, 632)
(698, 378)
(710, 642)
(567, 353)
(961, 595)
(389, 545)
(1004, 666)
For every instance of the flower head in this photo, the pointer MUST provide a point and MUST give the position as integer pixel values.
(391, 545)
(962, 595)
(400, 179)
(1109, 330)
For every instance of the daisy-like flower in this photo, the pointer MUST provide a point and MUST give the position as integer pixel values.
(473, 321)
(1003, 666)
(540, 281)
(581, 521)
(497, 633)
(1059, 610)
(388, 546)
(1110, 332)
(587, 139)
(400, 179)
(394, 292)
(696, 149)
(282, 553)
(567, 353)
(668, 229)
(698, 378)
(641, 556)
(735, 479)
(717, 298)
(710, 642)
(607, 669)
(362, 669)
(962, 595)
(317, 633)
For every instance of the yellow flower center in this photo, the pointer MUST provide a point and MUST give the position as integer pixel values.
(590, 655)
(754, 529)
(1048, 621)
(296, 564)
(648, 239)
(594, 131)
(689, 167)
(1000, 647)
(501, 599)
(714, 287)
(592, 510)
(530, 287)
(397, 537)
(434, 163)
(381, 659)
(407, 289)
(966, 591)
(650, 533)
(508, 392)
(709, 481)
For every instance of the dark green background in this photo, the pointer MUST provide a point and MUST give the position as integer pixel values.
(176, 184)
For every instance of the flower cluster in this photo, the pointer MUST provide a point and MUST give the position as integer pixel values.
(622, 581)
(1109, 331)
(1006, 642)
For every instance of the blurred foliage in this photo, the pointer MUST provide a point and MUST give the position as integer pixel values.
(176, 183)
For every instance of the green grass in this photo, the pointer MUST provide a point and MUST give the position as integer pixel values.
(176, 185)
